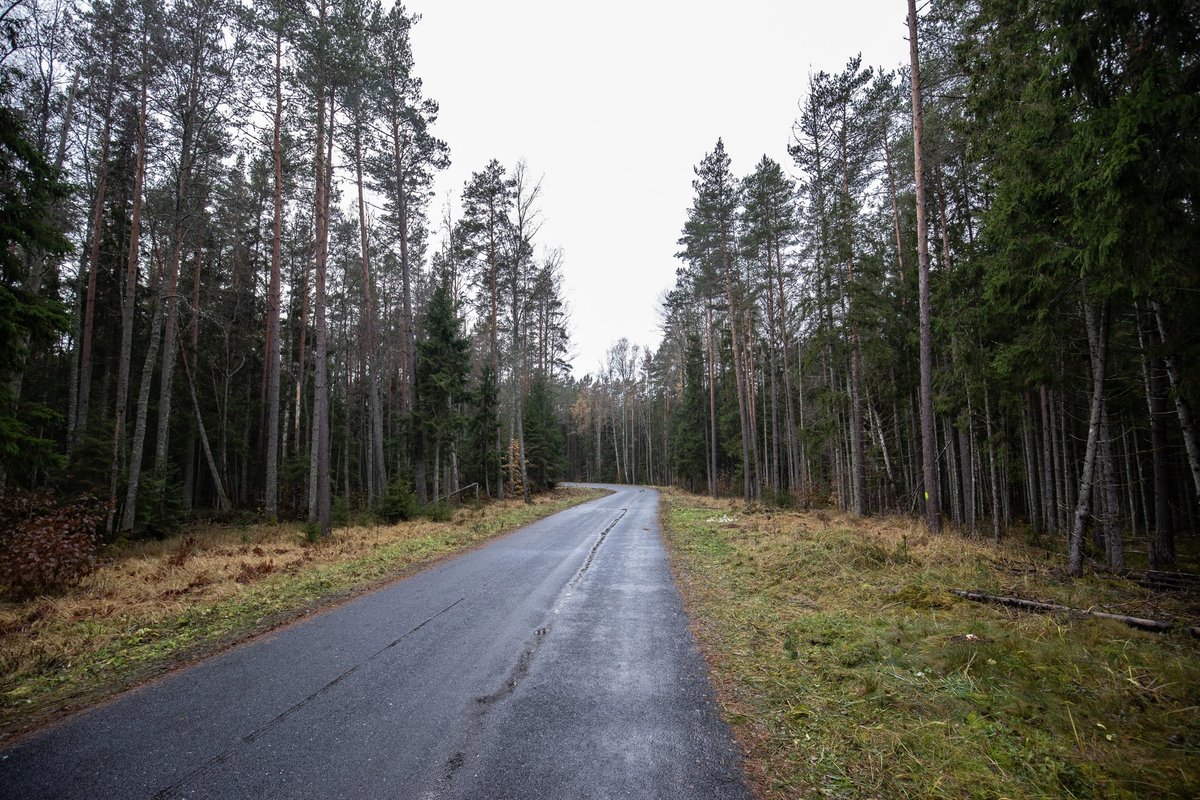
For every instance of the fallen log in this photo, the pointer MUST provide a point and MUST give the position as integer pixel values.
(1034, 605)
(1179, 581)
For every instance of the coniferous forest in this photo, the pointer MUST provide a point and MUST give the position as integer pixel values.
(227, 287)
(226, 290)
(991, 328)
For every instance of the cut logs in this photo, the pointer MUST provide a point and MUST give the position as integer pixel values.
(1034, 605)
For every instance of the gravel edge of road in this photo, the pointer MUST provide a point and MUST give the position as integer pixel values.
(725, 698)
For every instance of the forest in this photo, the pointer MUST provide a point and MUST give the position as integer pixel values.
(228, 291)
(987, 326)
(225, 287)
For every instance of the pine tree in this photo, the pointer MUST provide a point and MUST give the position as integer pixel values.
(274, 25)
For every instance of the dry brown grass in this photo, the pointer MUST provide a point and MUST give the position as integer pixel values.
(154, 604)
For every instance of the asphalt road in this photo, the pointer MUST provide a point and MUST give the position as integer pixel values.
(554, 663)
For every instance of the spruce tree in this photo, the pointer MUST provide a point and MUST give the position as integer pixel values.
(29, 187)
(442, 367)
(710, 242)
(688, 440)
(543, 436)
(483, 457)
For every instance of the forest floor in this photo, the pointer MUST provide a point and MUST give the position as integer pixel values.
(153, 606)
(847, 668)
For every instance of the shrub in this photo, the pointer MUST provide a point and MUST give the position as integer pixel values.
(160, 505)
(398, 504)
(339, 512)
(781, 499)
(438, 512)
(312, 532)
(46, 547)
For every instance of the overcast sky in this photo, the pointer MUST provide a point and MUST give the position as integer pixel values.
(614, 103)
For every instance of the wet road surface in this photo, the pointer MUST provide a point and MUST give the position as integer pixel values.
(555, 662)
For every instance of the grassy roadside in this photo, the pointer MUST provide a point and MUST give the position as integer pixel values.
(158, 604)
(848, 670)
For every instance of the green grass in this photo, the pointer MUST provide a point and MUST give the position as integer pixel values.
(847, 669)
(133, 619)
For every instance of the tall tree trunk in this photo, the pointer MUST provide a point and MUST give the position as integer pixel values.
(166, 374)
(738, 376)
(598, 420)
(877, 424)
(320, 510)
(347, 383)
(301, 361)
(966, 469)
(437, 467)
(1162, 541)
(378, 471)
(408, 390)
(1049, 499)
(453, 485)
(1110, 522)
(1130, 478)
(1062, 459)
(228, 376)
(222, 499)
(1187, 425)
(933, 505)
(991, 448)
(129, 296)
(77, 312)
(521, 453)
(802, 455)
(519, 423)
(170, 330)
(274, 295)
(752, 404)
(1098, 341)
(1029, 415)
(952, 472)
(494, 335)
(89, 309)
(789, 410)
(891, 184)
(136, 453)
(712, 404)
(858, 445)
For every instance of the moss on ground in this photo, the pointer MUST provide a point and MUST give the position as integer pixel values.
(848, 669)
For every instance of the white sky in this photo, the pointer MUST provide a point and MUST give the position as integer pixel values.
(614, 103)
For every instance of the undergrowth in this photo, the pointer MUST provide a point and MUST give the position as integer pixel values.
(154, 604)
(848, 669)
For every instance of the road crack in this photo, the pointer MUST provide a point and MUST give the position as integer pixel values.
(592, 555)
(519, 670)
(249, 738)
(484, 703)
